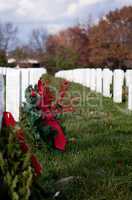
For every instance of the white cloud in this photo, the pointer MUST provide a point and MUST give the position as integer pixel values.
(54, 14)
(87, 2)
(55, 28)
(72, 9)
(25, 7)
(124, 3)
(7, 5)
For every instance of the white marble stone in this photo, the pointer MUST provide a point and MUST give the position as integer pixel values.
(57, 75)
(35, 75)
(118, 82)
(61, 74)
(130, 97)
(70, 75)
(93, 79)
(13, 92)
(3, 70)
(76, 76)
(107, 81)
(81, 76)
(67, 75)
(24, 82)
(1, 98)
(128, 79)
(99, 80)
(87, 77)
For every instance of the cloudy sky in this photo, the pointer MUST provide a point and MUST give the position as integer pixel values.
(54, 15)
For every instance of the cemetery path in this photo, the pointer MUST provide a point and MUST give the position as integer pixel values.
(99, 153)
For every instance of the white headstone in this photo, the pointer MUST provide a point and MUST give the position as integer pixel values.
(87, 77)
(118, 85)
(68, 74)
(99, 81)
(1, 70)
(4, 70)
(76, 75)
(35, 75)
(93, 79)
(81, 76)
(1, 98)
(130, 97)
(128, 77)
(24, 82)
(107, 81)
(57, 74)
(72, 75)
(13, 92)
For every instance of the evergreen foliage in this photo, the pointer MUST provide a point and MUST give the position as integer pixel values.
(15, 168)
(43, 113)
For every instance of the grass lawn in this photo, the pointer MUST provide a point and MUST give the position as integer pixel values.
(101, 159)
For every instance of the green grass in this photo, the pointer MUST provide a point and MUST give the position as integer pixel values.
(101, 160)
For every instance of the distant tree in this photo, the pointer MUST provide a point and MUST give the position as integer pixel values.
(64, 59)
(22, 53)
(108, 43)
(111, 39)
(77, 39)
(38, 40)
(8, 36)
(3, 59)
(68, 49)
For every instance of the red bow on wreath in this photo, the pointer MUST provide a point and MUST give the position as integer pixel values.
(8, 120)
(60, 140)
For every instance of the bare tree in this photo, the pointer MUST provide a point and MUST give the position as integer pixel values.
(38, 40)
(8, 35)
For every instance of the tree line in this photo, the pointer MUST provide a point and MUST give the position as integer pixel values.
(107, 43)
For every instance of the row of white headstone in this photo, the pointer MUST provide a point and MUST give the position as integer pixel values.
(17, 80)
(101, 81)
